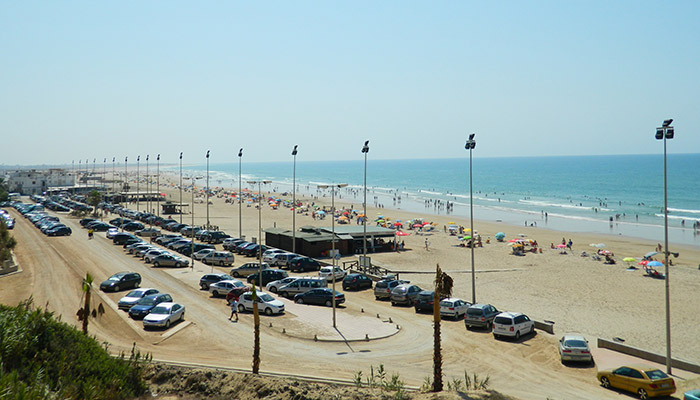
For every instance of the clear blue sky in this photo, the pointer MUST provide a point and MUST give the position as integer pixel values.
(94, 79)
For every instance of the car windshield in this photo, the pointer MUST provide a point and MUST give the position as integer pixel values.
(160, 310)
(147, 301)
(266, 297)
(503, 321)
(656, 374)
(575, 343)
(238, 284)
(446, 304)
(135, 293)
(226, 277)
(474, 311)
(114, 278)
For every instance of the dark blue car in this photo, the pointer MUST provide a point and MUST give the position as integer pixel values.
(146, 304)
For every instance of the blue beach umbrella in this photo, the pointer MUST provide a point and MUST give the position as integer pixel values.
(654, 264)
(500, 236)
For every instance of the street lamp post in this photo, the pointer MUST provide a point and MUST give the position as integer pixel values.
(194, 179)
(664, 132)
(294, 201)
(104, 187)
(333, 187)
(259, 183)
(181, 187)
(365, 150)
(240, 200)
(114, 180)
(148, 189)
(138, 199)
(124, 186)
(207, 190)
(158, 182)
(80, 170)
(471, 144)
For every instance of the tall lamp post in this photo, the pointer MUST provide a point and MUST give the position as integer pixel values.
(138, 196)
(333, 187)
(114, 180)
(471, 144)
(126, 184)
(158, 182)
(259, 183)
(180, 187)
(207, 190)
(294, 201)
(365, 150)
(664, 132)
(80, 170)
(240, 200)
(148, 189)
(194, 180)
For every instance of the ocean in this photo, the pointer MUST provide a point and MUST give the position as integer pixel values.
(568, 193)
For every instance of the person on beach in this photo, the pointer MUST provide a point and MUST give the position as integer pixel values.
(234, 308)
(427, 244)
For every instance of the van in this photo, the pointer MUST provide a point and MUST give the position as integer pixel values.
(302, 285)
(219, 258)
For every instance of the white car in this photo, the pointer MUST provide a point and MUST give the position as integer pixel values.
(198, 255)
(454, 308)
(574, 348)
(134, 296)
(270, 254)
(221, 288)
(266, 303)
(275, 285)
(164, 315)
(326, 272)
(512, 324)
(153, 253)
(111, 232)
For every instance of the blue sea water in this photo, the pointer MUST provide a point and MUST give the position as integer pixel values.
(577, 193)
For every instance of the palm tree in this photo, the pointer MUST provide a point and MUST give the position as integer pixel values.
(443, 288)
(84, 312)
(7, 243)
(94, 199)
(256, 330)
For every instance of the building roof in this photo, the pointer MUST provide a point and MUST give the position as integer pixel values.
(342, 232)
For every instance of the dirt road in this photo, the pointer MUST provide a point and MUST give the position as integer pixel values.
(52, 269)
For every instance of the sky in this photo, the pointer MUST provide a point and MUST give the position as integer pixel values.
(86, 79)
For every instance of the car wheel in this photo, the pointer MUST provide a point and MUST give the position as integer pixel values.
(241, 308)
(273, 289)
(167, 324)
(642, 394)
(532, 329)
(284, 294)
(489, 325)
(116, 288)
(215, 293)
(393, 303)
(268, 311)
(236, 274)
(182, 317)
(156, 264)
(137, 284)
(605, 382)
(203, 286)
(517, 335)
(299, 301)
(329, 303)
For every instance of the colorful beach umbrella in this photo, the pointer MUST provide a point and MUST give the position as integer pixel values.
(500, 236)
(643, 262)
(651, 254)
(561, 246)
(654, 264)
(402, 233)
(629, 259)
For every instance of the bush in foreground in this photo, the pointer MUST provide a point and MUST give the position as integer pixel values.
(41, 357)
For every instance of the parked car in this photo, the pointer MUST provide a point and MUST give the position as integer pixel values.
(247, 269)
(322, 296)
(133, 226)
(231, 243)
(98, 226)
(241, 246)
(221, 288)
(692, 395)
(281, 260)
(302, 285)
(252, 250)
(146, 304)
(61, 230)
(133, 297)
(111, 232)
(574, 348)
(266, 303)
(152, 254)
(164, 315)
(275, 285)
(148, 232)
(424, 301)
(512, 324)
(170, 260)
(222, 258)
(269, 255)
(208, 279)
(121, 280)
(328, 272)
(85, 221)
(121, 238)
(214, 237)
(198, 255)
(303, 264)
(186, 250)
(453, 308)
(480, 316)
(356, 281)
(163, 239)
(268, 275)
(404, 294)
(383, 288)
(644, 380)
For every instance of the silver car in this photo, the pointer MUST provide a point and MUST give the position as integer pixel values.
(404, 294)
(169, 260)
(574, 348)
(383, 288)
(266, 303)
(198, 255)
(275, 285)
(218, 258)
(248, 269)
(133, 297)
(163, 315)
(221, 288)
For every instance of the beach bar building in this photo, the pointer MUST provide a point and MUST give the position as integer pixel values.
(314, 241)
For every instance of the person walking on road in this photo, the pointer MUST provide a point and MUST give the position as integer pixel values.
(234, 308)
(90, 233)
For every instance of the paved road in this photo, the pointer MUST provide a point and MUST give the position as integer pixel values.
(53, 269)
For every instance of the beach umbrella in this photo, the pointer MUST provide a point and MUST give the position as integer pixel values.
(651, 254)
(598, 245)
(465, 238)
(500, 236)
(643, 262)
(402, 233)
(512, 240)
(397, 224)
(561, 246)
(426, 223)
(629, 259)
(417, 225)
(654, 264)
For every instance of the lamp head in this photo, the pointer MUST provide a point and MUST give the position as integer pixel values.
(126, 158)
(471, 143)
(147, 157)
(158, 159)
(207, 153)
(138, 158)
(294, 151)
(659, 133)
(667, 122)
(365, 148)
(180, 155)
(240, 152)
(114, 158)
(669, 132)
(105, 159)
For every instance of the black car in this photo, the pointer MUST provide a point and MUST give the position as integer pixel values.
(61, 230)
(187, 250)
(122, 237)
(357, 282)
(241, 247)
(148, 303)
(231, 245)
(98, 226)
(268, 275)
(303, 264)
(322, 296)
(208, 279)
(164, 239)
(85, 221)
(133, 226)
(121, 280)
(252, 251)
(424, 301)
(214, 237)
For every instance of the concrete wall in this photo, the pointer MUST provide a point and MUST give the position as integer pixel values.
(647, 355)
(9, 266)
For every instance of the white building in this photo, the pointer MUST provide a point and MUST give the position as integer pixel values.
(32, 181)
